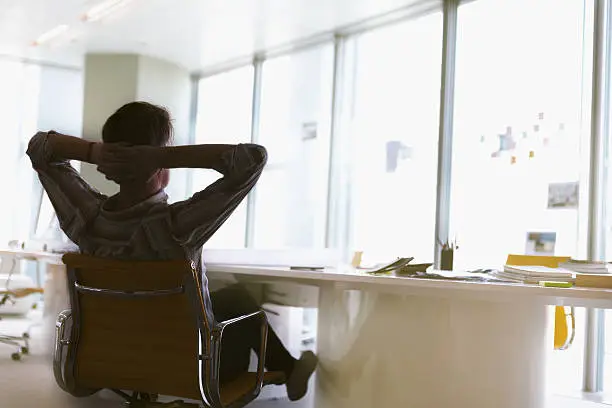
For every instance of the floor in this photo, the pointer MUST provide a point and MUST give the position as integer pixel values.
(30, 383)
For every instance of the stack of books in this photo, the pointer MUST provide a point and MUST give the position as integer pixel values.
(535, 274)
(590, 274)
(590, 267)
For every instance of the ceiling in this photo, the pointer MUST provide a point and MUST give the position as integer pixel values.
(195, 34)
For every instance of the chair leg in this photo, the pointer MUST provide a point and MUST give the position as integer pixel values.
(145, 400)
(20, 342)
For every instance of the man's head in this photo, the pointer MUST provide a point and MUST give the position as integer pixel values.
(139, 123)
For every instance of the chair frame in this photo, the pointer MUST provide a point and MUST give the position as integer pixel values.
(210, 335)
(21, 343)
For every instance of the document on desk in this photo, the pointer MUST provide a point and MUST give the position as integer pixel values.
(431, 273)
(390, 267)
(535, 274)
(467, 276)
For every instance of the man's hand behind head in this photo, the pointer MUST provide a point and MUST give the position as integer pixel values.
(121, 163)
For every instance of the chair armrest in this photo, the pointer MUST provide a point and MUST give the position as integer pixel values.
(62, 342)
(210, 344)
(257, 315)
(261, 315)
(217, 339)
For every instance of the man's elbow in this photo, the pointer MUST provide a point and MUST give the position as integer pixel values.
(253, 155)
(36, 149)
(260, 154)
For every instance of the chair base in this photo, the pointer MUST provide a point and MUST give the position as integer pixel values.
(21, 344)
(144, 400)
(153, 404)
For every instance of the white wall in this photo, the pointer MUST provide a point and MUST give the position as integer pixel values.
(166, 84)
(111, 80)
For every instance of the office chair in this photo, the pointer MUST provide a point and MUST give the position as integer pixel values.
(143, 329)
(15, 291)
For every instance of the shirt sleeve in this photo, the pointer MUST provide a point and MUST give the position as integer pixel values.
(75, 202)
(196, 219)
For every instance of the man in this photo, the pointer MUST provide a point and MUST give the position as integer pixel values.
(138, 223)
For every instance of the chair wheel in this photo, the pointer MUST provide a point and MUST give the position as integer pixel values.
(16, 356)
(25, 350)
(149, 397)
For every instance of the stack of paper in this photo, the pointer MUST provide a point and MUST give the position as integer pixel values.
(590, 267)
(535, 274)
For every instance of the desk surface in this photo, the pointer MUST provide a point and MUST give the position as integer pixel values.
(33, 255)
(348, 278)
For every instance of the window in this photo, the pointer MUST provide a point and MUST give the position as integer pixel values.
(520, 147)
(521, 131)
(58, 94)
(18, 120)
(224, 116)
(604, 349)
(521, 141)
(393, 139)
(291, 196)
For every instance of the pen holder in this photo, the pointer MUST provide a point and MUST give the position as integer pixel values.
(446, 259)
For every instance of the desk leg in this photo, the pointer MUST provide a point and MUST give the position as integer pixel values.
(56, 299)
(388, 351)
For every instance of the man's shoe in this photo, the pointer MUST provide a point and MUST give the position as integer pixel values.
(297, 383)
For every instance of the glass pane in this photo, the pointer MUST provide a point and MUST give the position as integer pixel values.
(19, 85)
(520, 148)
(605, 350)
(606, 353)
(521, 142)
(393, 137)
(272, 206)
(565, 367)
(291, 198)
(224, 116)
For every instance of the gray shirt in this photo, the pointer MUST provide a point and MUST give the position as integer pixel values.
(152, 229)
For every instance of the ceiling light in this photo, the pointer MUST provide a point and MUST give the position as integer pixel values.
(51, 34)
(104, 9)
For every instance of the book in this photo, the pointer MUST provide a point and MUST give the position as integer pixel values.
(534, 274)
(538, 271)
(603, 281)
(586, 266)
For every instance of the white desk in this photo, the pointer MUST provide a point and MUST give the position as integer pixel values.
(33, 255)
(399, 342)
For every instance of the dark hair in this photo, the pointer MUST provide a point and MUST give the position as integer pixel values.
(139, 123)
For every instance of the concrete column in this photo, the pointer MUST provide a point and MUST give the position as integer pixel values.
(111, 80)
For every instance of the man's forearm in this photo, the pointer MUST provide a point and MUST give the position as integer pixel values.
(206, 156)
(72, 148)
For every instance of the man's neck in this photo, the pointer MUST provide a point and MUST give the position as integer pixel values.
(129, 197)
